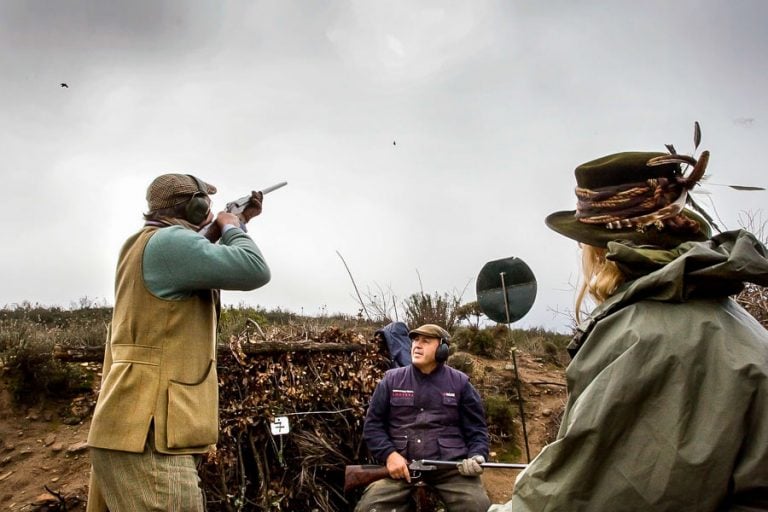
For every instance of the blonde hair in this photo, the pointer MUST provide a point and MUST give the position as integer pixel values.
(600, 277)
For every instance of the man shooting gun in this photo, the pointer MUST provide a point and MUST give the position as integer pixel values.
(158, 405)
(426, 410)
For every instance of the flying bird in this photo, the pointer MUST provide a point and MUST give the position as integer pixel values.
(62, 84)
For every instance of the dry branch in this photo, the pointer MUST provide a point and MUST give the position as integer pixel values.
(96, 354)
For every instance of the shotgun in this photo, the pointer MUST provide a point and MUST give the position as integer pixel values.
(363, 475)
(211, 231)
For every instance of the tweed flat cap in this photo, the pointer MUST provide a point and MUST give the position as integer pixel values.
(430, 331)
(171, 189)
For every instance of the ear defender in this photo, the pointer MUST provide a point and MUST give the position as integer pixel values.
(442, 352)
(197, 207)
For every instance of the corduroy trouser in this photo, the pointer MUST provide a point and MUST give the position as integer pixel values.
(458, 493)
(148, 481)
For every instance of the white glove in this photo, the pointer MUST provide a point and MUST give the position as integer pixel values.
(471, 466)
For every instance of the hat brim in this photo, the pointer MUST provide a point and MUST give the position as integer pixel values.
(426, 334)
(428, 331)
(566, 223)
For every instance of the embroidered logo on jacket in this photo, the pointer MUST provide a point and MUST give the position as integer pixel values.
(402, 392)
(449, 395)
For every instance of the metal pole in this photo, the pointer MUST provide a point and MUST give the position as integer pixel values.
(517, 375)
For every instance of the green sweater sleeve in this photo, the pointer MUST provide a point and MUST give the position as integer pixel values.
(178, 262)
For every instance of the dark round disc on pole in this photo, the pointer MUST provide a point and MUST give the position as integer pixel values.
(520, 284)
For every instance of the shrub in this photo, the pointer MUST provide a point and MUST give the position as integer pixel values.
(421, 308)
(499, 412)
(500, 415)
(548, 346)
(480, 342)
(32, 373)
(462, 362)
(232, 320)
(470, 313)
(27, 338)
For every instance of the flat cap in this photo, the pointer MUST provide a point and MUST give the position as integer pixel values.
(430, 331)
(171, 189)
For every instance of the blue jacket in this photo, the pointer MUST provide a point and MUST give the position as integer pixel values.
(395, 334)
(426, 416)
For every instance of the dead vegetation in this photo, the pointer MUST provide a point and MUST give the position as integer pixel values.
(323, 394)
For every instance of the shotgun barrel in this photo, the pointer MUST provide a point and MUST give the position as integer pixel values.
(365, 474)
(453, 463)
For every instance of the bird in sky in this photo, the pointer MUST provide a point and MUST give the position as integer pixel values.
(62, 84)
(394, 143)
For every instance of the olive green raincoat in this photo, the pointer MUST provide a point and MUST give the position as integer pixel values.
(668, 391)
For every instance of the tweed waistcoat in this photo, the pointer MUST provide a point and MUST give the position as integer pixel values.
(159, 366)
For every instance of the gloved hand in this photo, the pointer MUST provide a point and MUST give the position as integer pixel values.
(254, 207)
(471, 466)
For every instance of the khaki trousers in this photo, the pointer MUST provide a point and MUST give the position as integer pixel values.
(458, 493)
(143, 482)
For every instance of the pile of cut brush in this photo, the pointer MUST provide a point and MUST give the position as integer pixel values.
(315, 388)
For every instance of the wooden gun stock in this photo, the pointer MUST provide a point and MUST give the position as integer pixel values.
(363, 475)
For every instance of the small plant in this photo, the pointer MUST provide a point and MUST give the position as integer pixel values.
(462, 362)
(500, 412)
(480, 342)
(232, 320)
(422, 308)
(32, 373)
(548, 346)
(500, 415)
(470, 313)
(27, 338)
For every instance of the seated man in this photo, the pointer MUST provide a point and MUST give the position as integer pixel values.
(427, 410)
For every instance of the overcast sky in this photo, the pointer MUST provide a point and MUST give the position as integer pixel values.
(492, 104)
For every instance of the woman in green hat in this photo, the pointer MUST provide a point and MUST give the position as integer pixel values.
(668, 383)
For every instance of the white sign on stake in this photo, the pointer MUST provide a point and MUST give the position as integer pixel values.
(280, 426)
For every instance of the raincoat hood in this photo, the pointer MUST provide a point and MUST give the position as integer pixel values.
(718, 267)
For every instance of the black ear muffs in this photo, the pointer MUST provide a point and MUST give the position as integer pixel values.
(443, 351)
(197, 208)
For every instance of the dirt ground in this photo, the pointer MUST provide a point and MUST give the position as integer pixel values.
(44, 461)
(544, 393)
(38, 450)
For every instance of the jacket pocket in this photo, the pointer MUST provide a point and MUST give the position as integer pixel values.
(452, 448)
(402, 400)
(401, 444)
(450, 399)
(193, 418)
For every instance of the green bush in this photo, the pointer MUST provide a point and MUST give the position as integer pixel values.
(500, 414)
(27, 337)
(233, 321)
(480, 342)
(462, 362)
(421, 308)
(32, 373)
